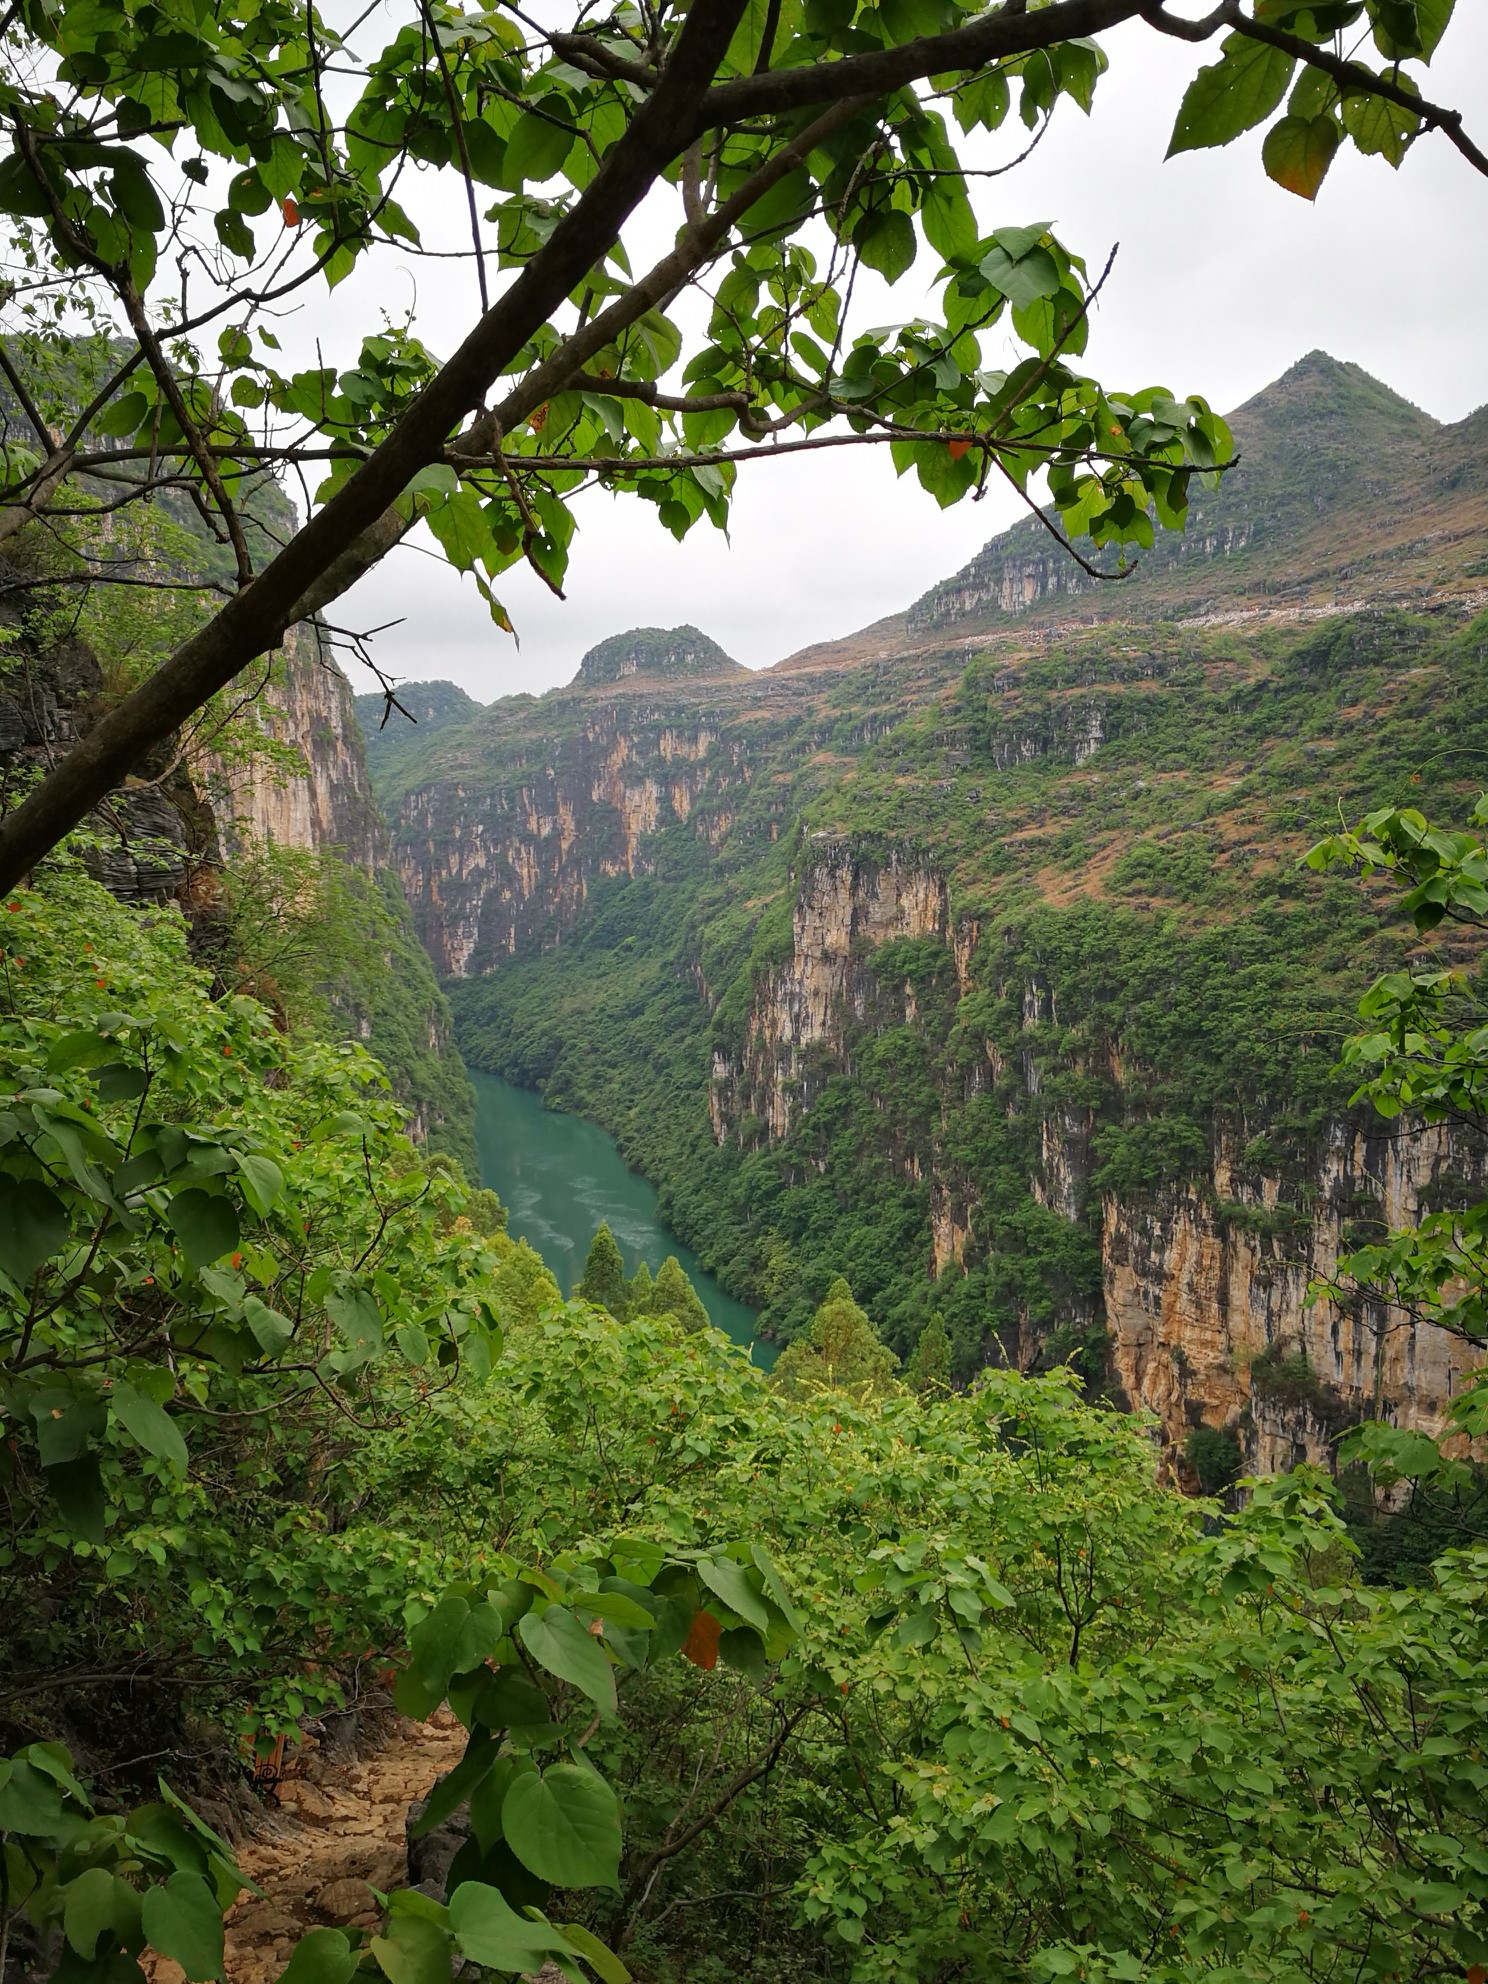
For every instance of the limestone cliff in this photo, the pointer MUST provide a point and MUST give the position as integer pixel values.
(311, 788)
(505, 821)
(1203, 1287)
(845, 910)
(492, 870)
(1205, 1299)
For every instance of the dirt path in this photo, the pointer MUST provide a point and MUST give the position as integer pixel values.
(337, 1831)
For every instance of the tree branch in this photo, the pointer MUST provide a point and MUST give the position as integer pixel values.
(992, 38)
(257, 617)
(1352, 78)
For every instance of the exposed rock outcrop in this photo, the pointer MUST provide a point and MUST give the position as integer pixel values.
(310, 788)
(1204, 1288)
(507, 864)
(846, 907)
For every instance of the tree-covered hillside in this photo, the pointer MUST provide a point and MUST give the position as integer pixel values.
(929, 963)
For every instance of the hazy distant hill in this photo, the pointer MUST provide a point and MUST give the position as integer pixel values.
(1343, 491)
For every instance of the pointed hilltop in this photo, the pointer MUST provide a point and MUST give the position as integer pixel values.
(1344, 492)
(661, 654)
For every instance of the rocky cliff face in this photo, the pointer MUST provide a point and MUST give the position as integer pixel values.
(311, 788)
(1206, 1299)
(804, 1009)
(513, 815)
(495, 868)
(1203, 1287)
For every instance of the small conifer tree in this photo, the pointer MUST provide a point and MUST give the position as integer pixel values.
(929, 1366)
(603, 1281)
(675, 1296)
(841, 1352)
(640, 1297)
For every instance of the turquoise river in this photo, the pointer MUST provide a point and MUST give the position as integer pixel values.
(559, 1176)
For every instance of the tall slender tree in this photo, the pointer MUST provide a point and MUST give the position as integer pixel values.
(603, 1280)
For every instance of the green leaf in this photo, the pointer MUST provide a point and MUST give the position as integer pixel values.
(135, 196)
(263, 1181)
(1298, 152)
(33, 1227)
(321, 1956)
(1432, 20)
(120, 1082)
(87, 1048)
(66, 1422)
(149, 1424)
(98, 1902)
(565, 1827)
(775, 1585)
(182, 1921)
(486, 1802)
(1232, 95)
(1024, 278)
(271, 1331)
(600, 1958)
(450, 1793)
(491, 1933)
(434, 1642)
(510, 1701)
(355, 1313)
(414, 1697)
(886, 242)
(234, 233)
(535, 151)
(414, 1343)
(77, 1489)
(206, 1225)
(30, 1802)
(731, 1582)
(413, 1951)
(557, 1641)
(1378, 128)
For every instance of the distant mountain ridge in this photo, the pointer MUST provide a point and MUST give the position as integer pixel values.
(1343, 491)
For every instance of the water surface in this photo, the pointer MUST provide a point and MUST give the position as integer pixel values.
(559, 1176)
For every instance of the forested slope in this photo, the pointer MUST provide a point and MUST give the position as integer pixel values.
(975, 963)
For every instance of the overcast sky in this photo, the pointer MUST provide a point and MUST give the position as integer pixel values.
(1222, 281)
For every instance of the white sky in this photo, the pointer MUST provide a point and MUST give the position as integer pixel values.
(1222, 281)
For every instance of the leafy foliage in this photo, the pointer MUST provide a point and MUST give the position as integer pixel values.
(209, 1227)
(806, 145)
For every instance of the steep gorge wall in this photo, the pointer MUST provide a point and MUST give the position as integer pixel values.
(1203, 1286)
(802, 1011)
(503, 863)
(314, 791)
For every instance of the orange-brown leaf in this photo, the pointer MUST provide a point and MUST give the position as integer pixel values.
(701, 1644)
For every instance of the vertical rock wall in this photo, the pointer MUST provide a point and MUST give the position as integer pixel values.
(1204, 1288)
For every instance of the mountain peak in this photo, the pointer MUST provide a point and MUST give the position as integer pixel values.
(661, 653)
(1323, 453)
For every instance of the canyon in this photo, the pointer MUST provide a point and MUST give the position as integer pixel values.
(969, 956)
